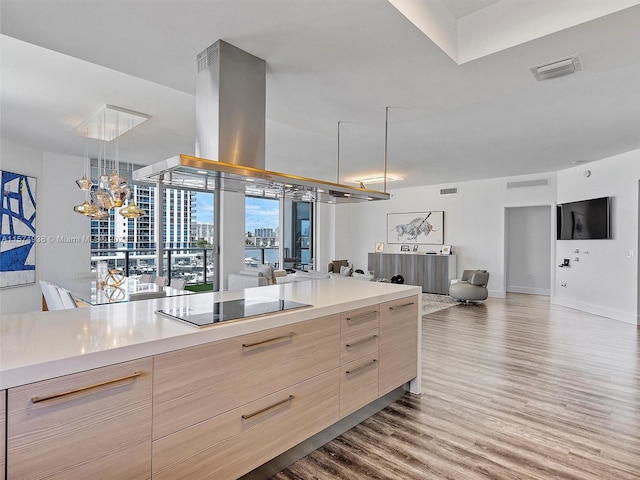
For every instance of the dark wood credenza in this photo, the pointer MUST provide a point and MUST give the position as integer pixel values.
(432, 272)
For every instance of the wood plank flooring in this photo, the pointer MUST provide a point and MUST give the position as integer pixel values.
(512, 389)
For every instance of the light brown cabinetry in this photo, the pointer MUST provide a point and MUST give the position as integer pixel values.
(359, 358)
(358, 383)
(3, 431)
(235, 442)
(359, 320)
(224, 408)
(398, 347)
(195, 384)
(93, 424)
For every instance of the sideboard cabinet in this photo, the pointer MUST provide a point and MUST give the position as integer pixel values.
(432, 272)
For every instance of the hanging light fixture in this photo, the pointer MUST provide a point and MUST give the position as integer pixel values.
(111, 190)
(132, 210)
(85, 184)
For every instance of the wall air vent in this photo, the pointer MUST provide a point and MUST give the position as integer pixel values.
(449, 191)
(541, 182)
(557, 68)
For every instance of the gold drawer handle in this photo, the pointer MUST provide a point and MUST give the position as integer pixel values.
(266, 342)
(361, 367)
(82, 389)
(359, 342)
(266, 409)
(402, 306)
(361, 316)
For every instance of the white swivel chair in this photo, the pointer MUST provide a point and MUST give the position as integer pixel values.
(51, 296)
(162, 281)
(67, 298)
(145, 277)
(177, 283)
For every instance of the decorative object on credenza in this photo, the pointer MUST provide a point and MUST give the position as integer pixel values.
(404, 248)
(379, 247)
(415, 247)
(18, 227)
(419, 228)
(446, 250)
(115, 277)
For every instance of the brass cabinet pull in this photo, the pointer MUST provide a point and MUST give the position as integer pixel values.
(82, 389)
(402, 306)
(361, 316)
(359, 342)
(289, 336)
(266, 409)
(362, 367)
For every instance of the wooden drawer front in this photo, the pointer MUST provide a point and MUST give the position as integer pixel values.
(3, 402)
(99, 432)
(198, 383)
(359, 320)
(358, 384)
(359, 345)
(398, 346)
(227, 446)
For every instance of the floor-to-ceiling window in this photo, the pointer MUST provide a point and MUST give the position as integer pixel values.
(279, 232)
(298, 235)
(262, 231)
(188, 236)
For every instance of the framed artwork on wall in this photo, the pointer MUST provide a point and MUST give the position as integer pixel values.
(17, 229)
(419, 228)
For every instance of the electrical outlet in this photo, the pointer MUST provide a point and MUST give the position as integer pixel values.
(563, 284)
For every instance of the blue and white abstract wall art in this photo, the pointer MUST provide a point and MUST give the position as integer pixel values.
(17, 229)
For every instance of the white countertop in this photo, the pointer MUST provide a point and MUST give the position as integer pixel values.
(40, 345)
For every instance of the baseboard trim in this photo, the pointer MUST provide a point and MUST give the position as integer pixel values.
(528, 290)
(596, 310)
(303, 449)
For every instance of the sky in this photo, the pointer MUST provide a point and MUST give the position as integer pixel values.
(259, 212)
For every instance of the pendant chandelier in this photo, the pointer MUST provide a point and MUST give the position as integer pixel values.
(111, 190)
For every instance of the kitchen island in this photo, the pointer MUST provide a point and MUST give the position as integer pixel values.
(108, 388)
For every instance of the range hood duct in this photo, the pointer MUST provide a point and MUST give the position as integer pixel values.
(230, 128)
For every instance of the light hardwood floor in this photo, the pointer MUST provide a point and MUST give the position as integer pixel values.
(512, 389)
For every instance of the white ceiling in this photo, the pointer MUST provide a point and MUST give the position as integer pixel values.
(327, 61)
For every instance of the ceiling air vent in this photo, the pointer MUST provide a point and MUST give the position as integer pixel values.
(541, 182)
(449, 191)
(557, 68)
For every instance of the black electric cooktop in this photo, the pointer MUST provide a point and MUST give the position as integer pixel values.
(207, 315)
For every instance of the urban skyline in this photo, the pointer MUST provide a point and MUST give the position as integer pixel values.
(259, 212)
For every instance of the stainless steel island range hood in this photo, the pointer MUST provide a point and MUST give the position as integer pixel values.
(230, 128)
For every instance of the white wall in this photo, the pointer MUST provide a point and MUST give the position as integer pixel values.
(18, 158)
(65, 234)
(62, 235)
(603, 281)
(474, 222)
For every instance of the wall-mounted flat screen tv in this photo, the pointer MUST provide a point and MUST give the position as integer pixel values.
(585, 220)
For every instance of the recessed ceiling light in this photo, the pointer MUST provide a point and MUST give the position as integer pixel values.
(377, 178)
